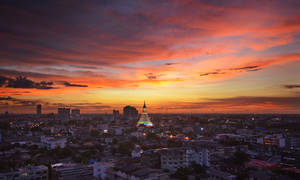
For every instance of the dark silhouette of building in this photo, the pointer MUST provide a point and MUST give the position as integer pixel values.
(130, 113)
(75, 114)
(39, 109)
(116, 115)
(63, 114)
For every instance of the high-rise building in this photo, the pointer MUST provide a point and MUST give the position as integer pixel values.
(63, 114)
(39, 109)
(130, 113)
(75, 114)
(144, 118)
(116, 115)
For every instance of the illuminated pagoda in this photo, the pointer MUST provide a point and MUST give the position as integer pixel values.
(144, 118)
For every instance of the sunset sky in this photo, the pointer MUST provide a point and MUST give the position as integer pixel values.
(181, 56)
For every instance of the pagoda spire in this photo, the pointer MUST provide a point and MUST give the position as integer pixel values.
(144, 119)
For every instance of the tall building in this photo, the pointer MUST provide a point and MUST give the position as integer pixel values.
(75, 114)
(130, 113)
(116, 115)
(144, 118)
(63, 114)
(39, 109)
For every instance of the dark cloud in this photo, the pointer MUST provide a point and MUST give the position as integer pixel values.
(169, 64)
(212, 73)
(152, 76)
(67, 84)
(240, 69)
(292, 86)
(11, 101)
(13, 93)
(247, 68)
(23, 82)
(258, 69)
(3, 98)
(3, 80)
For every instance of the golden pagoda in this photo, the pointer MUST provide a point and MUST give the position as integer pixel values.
(144, 118)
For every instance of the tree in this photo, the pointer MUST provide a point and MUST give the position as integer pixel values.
(125, 147)
(99, 148)
(94, 133)
(181, 173)
(152, 136)
(197, 168)
(173, 143)
(193, 169)
(240, 158)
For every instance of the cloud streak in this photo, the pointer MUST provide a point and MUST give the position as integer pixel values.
(67, 84)
(292, 86)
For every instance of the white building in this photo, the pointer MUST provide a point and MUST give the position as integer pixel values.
(53, 143)
(174, 158)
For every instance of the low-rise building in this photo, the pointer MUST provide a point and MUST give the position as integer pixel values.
(272, 140)
(53, 142)
(27, 173)
(70, 171)
(174, 158)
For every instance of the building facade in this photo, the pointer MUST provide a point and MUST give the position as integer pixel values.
(130, 113)
(63, 114)
(75, 114)
(174, 158)
(66, 171)
(27, 173)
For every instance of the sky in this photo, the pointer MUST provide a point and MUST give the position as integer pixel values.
(180, 56)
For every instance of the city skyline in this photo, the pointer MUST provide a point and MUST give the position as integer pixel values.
(180, 56)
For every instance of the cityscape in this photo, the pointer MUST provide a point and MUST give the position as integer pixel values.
(150, 90)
